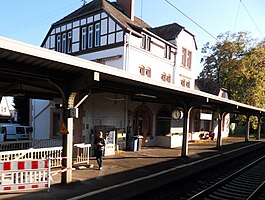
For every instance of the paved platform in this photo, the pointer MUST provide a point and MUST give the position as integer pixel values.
(128, 172)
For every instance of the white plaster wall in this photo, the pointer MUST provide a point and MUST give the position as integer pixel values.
(117, 63)
(157, 65)
(185, 40)
(41, 114)
(102, 110)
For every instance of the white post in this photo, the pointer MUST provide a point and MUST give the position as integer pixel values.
(70, 127)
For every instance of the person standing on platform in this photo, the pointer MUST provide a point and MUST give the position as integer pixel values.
(99, 149)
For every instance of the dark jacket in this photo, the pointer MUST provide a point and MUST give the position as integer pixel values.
(100, 144)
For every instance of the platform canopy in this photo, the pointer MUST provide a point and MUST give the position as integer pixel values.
(27, 70)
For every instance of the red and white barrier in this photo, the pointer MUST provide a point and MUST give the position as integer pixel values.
(24, 175)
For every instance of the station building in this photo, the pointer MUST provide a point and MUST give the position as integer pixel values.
(109, 33)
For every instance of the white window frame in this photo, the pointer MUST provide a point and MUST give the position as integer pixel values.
(90, 36)
(83, 38)
(189, 59)
(146, 42)
(184, 57)
(64, 43)
(97, 34)
(69, 42)
(58, 43)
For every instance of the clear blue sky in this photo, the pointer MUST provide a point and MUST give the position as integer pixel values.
(30, 20)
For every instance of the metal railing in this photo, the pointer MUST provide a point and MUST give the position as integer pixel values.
(80, 154)
(26, 144)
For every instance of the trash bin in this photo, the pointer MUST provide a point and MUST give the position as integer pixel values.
(134, 144)
(139, 143)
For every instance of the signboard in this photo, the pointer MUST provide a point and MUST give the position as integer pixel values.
(110, 143)
(73, 112)
(206, 116)
(63, 129)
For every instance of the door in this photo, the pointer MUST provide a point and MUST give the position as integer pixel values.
(142, 122)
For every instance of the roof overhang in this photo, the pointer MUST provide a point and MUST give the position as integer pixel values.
(41, 73)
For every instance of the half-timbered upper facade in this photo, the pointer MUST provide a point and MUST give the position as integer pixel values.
(109, 33)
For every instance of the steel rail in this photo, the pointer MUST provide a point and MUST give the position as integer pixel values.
(243, 184)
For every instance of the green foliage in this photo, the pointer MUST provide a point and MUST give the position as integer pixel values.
(21, 104)
(237, 62)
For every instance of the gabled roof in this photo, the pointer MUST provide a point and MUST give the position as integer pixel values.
(111, 7)
(171, 31)
(168, 32)
(101, 5)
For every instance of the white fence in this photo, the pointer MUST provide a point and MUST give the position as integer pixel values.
(80, 154)
(26, 144)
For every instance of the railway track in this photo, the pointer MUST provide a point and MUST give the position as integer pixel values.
(246, 183)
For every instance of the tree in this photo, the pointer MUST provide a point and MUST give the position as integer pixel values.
(21, 104)
(236, 62)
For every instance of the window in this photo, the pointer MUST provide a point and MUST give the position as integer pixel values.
(90, 36)
(183, 60)
(83, 38)
(185, 83)
(189, 59)
(163, 76)
(20, 130)
(146, 42)
(186, 58)
(64, 43)
(97, 34)
(141, 70)
(167, 52)
(69, 42)
(148, 72)
(188, 84)
(58, 43)
(168, 78)
(143, 42)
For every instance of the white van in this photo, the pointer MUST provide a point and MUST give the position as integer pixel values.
(14, 132)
